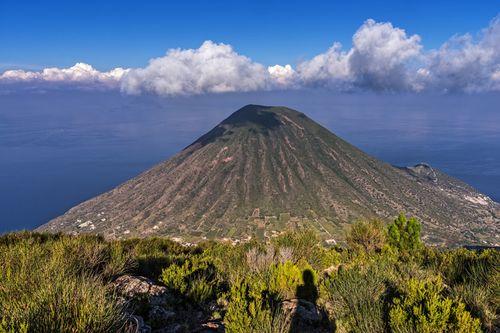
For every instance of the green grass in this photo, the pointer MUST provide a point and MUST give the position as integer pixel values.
(58, 284)
(378, 283)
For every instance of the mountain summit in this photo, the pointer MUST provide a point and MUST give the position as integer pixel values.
(266, 169)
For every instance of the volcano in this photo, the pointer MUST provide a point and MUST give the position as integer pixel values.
(266, 169)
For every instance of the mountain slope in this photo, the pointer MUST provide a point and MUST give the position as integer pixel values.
(266, 169)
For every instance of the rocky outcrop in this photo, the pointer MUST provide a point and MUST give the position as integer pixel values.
(305, 316)
(304, 311)
(144, 300)
(151, 308)
(139, 287)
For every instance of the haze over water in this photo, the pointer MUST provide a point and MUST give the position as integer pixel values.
(59, 148)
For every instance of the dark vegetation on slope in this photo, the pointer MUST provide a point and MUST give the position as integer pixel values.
(384, 280)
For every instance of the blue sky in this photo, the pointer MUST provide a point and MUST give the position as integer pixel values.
(108, 34)
(196, 47)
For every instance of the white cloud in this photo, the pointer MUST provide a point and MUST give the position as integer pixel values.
(467, 64)
(381, 55)
(212, 68)
(382, 58)
(330, 69)
(378, 60)
(19, 75)
(495, 76)
(284, 76)
(79, 73)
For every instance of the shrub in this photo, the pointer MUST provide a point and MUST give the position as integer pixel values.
(404, 234)
(254, 302)
(356, 298)
(465, 266)
(421, 307)
(366, 236)
(151, 255)
(229, 260)
(302, 243)
(56, 285)
(284, 279)
(480, 301)
(33, 237)
(248, 307)
(474, 279)
(196, 279)
(259, 260)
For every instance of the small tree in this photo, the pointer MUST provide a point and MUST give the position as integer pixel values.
(404, 234)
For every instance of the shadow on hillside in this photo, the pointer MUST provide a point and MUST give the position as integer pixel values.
(253, 117)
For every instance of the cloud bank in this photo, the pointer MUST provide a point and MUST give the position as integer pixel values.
(467, 64)
(212, 68)
(80, 73)
(382, 58)
(378, 60)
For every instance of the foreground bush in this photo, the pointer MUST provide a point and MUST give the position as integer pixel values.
(356, 299)
(423, 308)
(248, 308)
(404, 234)
(474, 279)
(61, 283)
(58, 285)
(367, 236)
(195, 279)
(385, 280)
